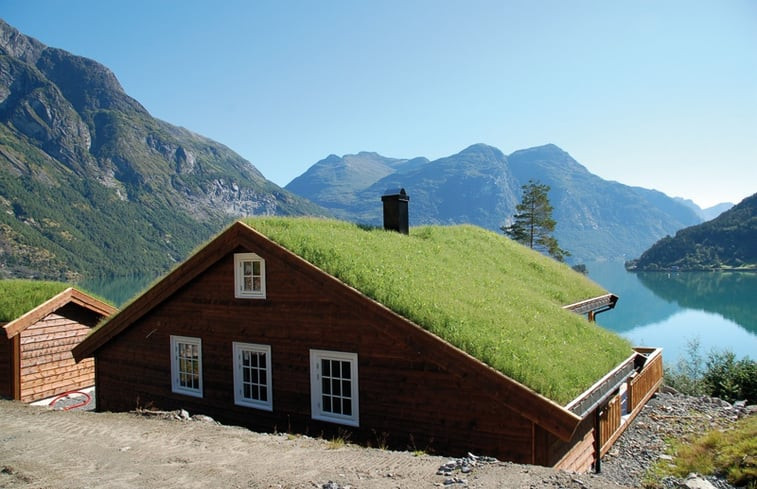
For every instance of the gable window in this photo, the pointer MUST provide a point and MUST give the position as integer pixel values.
(186, 365)
(252, 376)
(249, 276)
(334, 387)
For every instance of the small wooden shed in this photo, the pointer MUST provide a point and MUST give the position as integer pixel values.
(253, 330)
(35, 348)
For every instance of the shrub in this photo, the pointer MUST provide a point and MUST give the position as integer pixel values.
(731, 379)
(720, 375)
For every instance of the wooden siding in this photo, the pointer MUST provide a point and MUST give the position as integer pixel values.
(579, 454)
(6, 366)
(643, 385)
(414, 393)
(609, 423)
(47, 367)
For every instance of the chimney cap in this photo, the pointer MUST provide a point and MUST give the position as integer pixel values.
(396, 192)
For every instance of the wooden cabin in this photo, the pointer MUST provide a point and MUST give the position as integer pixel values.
(250, 332)
(35, 348)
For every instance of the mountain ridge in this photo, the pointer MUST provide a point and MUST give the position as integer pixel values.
(596, 218)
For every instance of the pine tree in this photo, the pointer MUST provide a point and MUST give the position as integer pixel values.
(533, 224)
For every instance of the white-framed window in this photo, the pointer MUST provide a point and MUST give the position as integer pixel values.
(249, 276)
(186, 365)
(334, 387)
(252, 376)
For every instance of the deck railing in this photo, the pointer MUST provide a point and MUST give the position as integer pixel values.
(642, 385)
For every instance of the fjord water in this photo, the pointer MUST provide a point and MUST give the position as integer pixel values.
(673, 309)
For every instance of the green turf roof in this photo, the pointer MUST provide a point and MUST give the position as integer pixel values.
(491, 297)
(17, 297)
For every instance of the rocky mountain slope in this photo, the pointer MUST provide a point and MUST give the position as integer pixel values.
(596, 219)
(92, 184)
(726, 242)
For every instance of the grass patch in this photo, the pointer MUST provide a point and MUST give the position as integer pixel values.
(18, 297)
(496, 299)
(731, 454)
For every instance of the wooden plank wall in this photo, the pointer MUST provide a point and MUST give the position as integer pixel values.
(609, 422)
(641, 386)
(412, 394)
(47, 366)
(579, 454)
(6, 366)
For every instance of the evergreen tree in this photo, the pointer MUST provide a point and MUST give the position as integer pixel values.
(533, 224)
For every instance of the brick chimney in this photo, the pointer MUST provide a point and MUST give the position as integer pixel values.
(395, 210)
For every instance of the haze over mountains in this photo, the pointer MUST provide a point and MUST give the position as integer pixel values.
(596, 218)
(91, 184)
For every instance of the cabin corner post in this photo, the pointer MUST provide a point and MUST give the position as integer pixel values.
(16, 367)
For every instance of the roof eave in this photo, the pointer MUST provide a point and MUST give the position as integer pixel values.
(70, 295)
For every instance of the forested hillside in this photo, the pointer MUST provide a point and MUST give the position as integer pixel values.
(727, 242)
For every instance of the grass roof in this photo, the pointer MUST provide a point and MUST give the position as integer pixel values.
(489, 296)
(17, 297)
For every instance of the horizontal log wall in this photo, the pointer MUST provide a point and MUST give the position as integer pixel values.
(412, 394)
(47, 366)
(579, 454)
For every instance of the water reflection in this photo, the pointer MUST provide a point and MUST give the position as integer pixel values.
(718, 309)
(117, 290)
(733, 295)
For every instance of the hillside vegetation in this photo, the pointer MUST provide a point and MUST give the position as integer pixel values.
(480, 291)
(92, 185)
(727, 242)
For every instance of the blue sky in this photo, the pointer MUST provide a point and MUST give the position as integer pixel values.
(657, 94)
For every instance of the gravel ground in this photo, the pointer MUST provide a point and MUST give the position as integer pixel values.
(43, 448)
(666, 416)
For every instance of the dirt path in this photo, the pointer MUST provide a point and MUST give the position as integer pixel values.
(40, 448)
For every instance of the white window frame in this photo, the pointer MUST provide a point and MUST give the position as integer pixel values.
(239, 399)
(176, 384)
(239, 290)
(316, 388)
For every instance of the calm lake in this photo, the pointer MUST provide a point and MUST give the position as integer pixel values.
(670, 310)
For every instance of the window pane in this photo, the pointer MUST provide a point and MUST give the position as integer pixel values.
(247, 268)
(262, 380)
(336, 386)
(263, 394)
(326, 367)
(327, 404)
(256, 283)
(346, 387)
(347, 407)
(326, 386)
(345, 370)
(246, 391)
(248, 283)
(256, 268)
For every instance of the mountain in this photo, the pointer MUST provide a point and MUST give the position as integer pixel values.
(727, 242)
(334, 181)
(709, 213)
(91, 184)
(596, 219)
